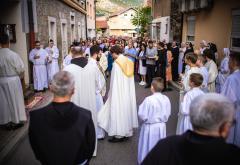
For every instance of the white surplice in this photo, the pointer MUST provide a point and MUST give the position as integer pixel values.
(99, 99)
(86, 85)
(205, 79)
(154, 112)
(39, 68)
(52, 63)
(118, 116)
(11, 93)
(212, 75)
(186, 77)
(67, 60)
(231, 90)
(184, 123)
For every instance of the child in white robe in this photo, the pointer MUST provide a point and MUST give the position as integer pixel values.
(184, 123)
(154, 112)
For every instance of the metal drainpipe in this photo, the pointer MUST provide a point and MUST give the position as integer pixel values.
(31, 35)
(86, 20)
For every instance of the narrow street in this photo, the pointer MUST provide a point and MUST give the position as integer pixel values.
(108, 153)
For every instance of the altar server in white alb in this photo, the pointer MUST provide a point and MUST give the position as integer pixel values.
(38, 56)
(11, 94)
(154, 112)
(94, 61)
(118, 116)
(52, 60)
(184, 123)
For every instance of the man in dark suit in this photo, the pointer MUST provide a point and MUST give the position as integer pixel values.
(211, 116)
(61, 132)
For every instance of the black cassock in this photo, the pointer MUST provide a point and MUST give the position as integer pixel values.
(175, 55)
(62, 133)
(193, 149)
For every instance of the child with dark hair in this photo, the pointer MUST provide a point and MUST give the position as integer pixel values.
(184, 123)
(154, 112)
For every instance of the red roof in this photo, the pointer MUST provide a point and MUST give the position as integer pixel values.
(101, 24)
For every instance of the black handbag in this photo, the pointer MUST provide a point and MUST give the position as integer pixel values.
(144, 62)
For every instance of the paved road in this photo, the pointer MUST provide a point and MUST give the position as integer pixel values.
(108, 153)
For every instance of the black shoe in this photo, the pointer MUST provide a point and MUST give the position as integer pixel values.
(117, 140)
(100, 139)
(147, 86)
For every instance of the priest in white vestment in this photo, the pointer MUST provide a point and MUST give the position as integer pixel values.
(86, 84)
(184, 122)
(231, 90)
(52, 60)
(118, 116)
(212, 70)
(11, 94)
(94, 61)
(154, 112)
(38, 56)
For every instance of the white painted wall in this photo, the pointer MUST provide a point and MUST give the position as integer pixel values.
(164, 29)
(12, 15)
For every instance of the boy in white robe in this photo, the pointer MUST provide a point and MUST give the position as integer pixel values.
(184, 122)
(200, 64)
(154, 112)
(38, 57)
(191, 60)
(52, 60)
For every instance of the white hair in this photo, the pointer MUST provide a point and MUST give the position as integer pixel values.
(62, 83)
(210, 111)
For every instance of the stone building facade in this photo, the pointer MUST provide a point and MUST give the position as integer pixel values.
(58, 20)
(28, 20)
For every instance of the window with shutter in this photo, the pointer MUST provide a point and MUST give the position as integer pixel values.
(235, 35)
(191, 28)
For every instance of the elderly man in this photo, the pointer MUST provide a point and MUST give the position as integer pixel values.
(61, 132)
(12, 111)
(211, 116)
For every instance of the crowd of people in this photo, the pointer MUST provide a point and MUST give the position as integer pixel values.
(80, 98)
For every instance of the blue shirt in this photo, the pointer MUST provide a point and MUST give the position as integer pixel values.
(131, 51)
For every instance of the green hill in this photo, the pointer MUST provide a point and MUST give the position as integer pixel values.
(106, 7)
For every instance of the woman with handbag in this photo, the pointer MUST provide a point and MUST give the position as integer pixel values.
(142, 69)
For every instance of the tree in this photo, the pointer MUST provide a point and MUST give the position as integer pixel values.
(142, 19)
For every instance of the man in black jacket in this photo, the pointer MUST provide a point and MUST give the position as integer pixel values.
(62, 133)
(162, 63)
(211, 116)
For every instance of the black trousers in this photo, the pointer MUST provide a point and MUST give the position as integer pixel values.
(150, 73)
(161, 72)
